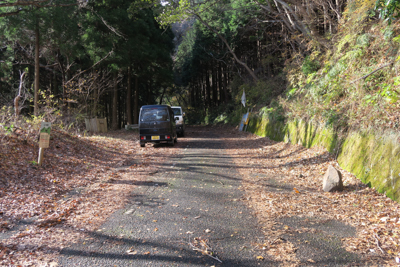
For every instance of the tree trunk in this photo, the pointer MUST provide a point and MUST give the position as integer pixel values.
(149, 85)
(115, 103)
(37, 70)
(129, 97)
(162, 95)
(18, 97)
(203, 93)
(208, 89)
(136, 103)
(220, 85)
(250, 71)
(225, 79)
(192, 88)
(95, 100)
(214, 85)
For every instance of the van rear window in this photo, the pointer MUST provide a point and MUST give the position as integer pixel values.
(177, 111)
(154, 114)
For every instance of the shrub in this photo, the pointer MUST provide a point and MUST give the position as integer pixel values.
(309, 66)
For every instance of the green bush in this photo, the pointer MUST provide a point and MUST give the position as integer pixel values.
(274, 112)
(309, 66)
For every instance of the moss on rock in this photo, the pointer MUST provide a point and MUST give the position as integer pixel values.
(374, 159)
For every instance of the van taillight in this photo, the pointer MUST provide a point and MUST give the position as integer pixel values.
(143, 138)
(167, 137)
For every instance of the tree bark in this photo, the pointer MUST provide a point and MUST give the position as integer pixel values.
(192, 88)
(208, 88)
(115, 103)
(95, 100)
(37, 70)
(129, 97)
(226, 84)
(214, 85)
(250, 71)
(162, 95)
(18, 97)
(136, 102)
(220, 85)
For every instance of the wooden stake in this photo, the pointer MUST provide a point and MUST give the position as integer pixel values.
(40, 158)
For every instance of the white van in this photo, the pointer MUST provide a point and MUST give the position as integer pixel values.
(179, 118)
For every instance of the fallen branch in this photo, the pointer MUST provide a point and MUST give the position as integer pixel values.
(276, 239)
(377, 244)
(372, 72)
(205, 249)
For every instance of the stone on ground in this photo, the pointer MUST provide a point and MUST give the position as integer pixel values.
(332, 180)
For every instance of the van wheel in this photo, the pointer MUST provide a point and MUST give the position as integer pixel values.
(182, 133)
(142, 145)
(171, 143)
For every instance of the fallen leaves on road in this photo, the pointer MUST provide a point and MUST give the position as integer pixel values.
(82, 181)
(85, 179)
(284, 180)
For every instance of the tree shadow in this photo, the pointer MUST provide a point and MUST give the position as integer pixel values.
(106, 250)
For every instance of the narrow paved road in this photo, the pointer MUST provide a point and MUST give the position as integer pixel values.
(192, 200)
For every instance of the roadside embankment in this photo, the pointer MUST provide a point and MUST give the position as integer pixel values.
(373, 158)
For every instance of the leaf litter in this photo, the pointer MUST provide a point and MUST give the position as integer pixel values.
(81, 182)
(282, 180)
(85, 179)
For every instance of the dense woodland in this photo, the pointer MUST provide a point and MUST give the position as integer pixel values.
(66, 60)
(83, 60)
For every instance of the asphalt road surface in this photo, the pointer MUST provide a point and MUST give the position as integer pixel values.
(189, 213)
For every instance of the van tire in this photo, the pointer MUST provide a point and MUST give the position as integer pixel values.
(142, 145)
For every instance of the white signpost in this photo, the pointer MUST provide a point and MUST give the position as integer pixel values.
(44, 140)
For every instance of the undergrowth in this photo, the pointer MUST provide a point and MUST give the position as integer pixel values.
(357, 85)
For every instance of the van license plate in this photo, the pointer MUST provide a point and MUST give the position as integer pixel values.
(155, 137)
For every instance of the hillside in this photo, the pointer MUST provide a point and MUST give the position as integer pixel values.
(354, 84)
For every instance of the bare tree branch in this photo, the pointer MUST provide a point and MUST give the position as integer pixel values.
(95, 64)
(250, 71)
(18, 97)
(372, 72)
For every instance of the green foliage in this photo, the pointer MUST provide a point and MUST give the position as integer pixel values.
(338, 96)
(291, 92)
(221, 114)
(6, 114)
(388, 9)
(309, 66)
(386, 93)
(9, 129)
(363, 40)
(194, 116)
(331, 117)
(274, 112)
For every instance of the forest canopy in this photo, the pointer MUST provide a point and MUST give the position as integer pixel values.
(84, 59)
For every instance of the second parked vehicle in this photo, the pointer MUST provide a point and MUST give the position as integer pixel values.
(157, 125)
(180, 122)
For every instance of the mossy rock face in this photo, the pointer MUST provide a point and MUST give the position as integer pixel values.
(263, 127)
(375, 160)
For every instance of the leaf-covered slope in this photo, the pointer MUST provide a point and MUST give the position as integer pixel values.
(355, 84)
